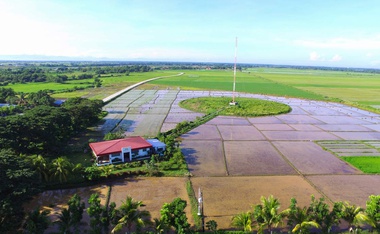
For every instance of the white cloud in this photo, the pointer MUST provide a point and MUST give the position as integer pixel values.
(314, 56)
(336, 58)
(342, 43)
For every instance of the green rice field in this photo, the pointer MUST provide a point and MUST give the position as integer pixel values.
(360, 89)
(370, 165)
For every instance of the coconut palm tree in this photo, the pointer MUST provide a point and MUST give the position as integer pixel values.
(130, 214)
(266, 214)
(61, 168)
(64, 221)
(355, 215)
(37, 221)
(302, 221)
(299, 219)
(42, 167)
(243, 221)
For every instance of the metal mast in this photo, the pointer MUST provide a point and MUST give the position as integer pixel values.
(233, 89)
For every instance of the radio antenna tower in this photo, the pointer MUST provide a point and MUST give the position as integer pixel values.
(233, 103)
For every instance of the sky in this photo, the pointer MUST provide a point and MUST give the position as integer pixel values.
(338, 33)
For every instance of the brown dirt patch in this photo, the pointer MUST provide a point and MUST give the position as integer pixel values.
(227, 196)
(353, 188)
(152, 191)
(56, 200)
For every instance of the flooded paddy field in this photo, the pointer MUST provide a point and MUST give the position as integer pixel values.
(236, 160)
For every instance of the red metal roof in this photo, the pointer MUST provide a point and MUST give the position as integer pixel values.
(115, 146)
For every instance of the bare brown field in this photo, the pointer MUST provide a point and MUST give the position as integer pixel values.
(153, 191)
(352, 188)
(226, 196)
(55, 200)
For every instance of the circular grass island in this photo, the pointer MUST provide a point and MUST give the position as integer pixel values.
(246, 107)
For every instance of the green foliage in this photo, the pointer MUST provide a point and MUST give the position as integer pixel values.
(299, 219)
(18, 183)
(130, 214)
(100, 216)
(370, 165)
(93, 172)
(36, 221)
(64, 221)
(243, 221)
(61, 168)
(355, 216)
(373, 209)
(245, 107)
(114, 135)
(76, 208)
(212, 226)
(267, 214)
(321, 214)
(173, 215)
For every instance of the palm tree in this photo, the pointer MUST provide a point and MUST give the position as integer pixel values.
(37, 221)
(243, 221)
(355, 215)
(64, 221)
(61, 168)
(42, 167)
(130, 214)
(266, 213)
(160, 226)
(299, 219)
(302, 221)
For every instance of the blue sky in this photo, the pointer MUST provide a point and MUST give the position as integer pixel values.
(344, 33)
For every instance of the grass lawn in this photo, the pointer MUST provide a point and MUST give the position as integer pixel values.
(246, 106)
(370, 165)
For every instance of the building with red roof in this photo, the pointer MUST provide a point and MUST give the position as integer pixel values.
(125, 150)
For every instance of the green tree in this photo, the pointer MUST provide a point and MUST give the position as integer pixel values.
(373, 209)
(18, 183)
(173, 214)
(267, 214)
(42, 166)
(355, 216)
(61, 168)
(243, 221)
(36, 221)
(130, 214)
(64, 222)
(299, 219)
(76, 208)
(100, 216)
(160, 226)
(212, 226)
(97, 82)
(320, 212)
(40, 98)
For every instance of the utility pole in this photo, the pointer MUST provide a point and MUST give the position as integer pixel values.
(233, 103)
(200, 208)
